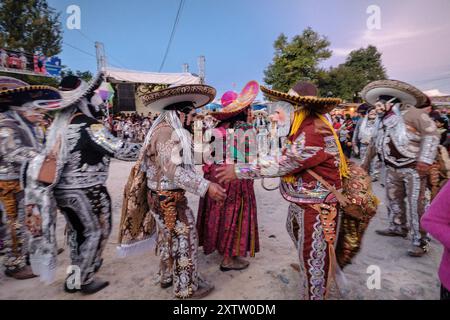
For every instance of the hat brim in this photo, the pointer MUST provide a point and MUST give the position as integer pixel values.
(199, 95)
(72, 97)
(316, 104)
(405, 92)
(243, 101)
(30, 93)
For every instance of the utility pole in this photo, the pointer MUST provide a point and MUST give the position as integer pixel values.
(101, 56)
(201, 69)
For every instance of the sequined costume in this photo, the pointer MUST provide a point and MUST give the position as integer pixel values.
(406, 137)
(19, 143)
(84, 149)
(167, 183)
(314, 211)
(362, 137)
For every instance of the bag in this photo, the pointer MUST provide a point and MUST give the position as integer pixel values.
(439, 172)
(47, 173)
(359, 206)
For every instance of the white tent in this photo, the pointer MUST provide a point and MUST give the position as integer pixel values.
(131, 76)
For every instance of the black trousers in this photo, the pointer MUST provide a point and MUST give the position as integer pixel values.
(88, 215)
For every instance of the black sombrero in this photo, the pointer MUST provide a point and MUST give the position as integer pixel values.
(16, 92)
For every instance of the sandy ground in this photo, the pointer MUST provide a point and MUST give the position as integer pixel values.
(269, 276)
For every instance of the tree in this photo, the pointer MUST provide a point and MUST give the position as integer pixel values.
(29, 25)
(347, 80)
(84, 75)
(296, 60)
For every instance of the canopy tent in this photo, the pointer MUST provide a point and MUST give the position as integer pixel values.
(131, 76)
(129, 84)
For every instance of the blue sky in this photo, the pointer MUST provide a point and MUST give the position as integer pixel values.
(236, 36)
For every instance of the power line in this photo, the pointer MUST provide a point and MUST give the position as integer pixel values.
(80, 50)
(172, 34)
(93, 42)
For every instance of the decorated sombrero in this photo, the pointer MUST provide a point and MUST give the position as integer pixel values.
(73, 89)
(242, 102)
(16, 92)
(403, 91)
(303, 95)
(197, 94)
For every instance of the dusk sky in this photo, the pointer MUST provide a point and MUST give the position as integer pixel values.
(236, 36)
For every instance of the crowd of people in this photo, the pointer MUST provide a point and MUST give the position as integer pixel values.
(299, 139)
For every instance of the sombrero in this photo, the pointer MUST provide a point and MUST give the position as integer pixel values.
(303, 95)
(16, 92)
(242, 102)
(197, 94)
(403, 91)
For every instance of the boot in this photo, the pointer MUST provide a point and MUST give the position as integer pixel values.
(91, 288)
(22, 274)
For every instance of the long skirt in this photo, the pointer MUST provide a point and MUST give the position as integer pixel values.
(231, 227)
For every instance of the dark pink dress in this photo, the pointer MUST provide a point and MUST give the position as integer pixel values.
(231, 228)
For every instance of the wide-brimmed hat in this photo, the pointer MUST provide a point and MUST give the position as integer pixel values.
(72, 89)
(406, 93)
(303, 95)
(17, 92)
(197, 94)
(242, 102)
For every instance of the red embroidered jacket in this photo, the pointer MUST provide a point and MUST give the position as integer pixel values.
(313, 147)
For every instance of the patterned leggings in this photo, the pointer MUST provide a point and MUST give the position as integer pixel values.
(304, 225)
(15, 241)
(88, 215)
(178, 241)
(406, 184)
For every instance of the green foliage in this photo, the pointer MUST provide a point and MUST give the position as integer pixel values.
(300, 60)
(348, 79)
(29, 25)
(296, 60)
(85, 75)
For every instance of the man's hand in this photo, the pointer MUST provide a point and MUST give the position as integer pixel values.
(216, 192)
(423, 169)
(226, 174)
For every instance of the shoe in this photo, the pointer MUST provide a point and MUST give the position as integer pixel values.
(204, 289)
(94, 287)
(22, 274)
(238, 264)
(166, 285)
(416, 251)
(91, 288)
(392, 233)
